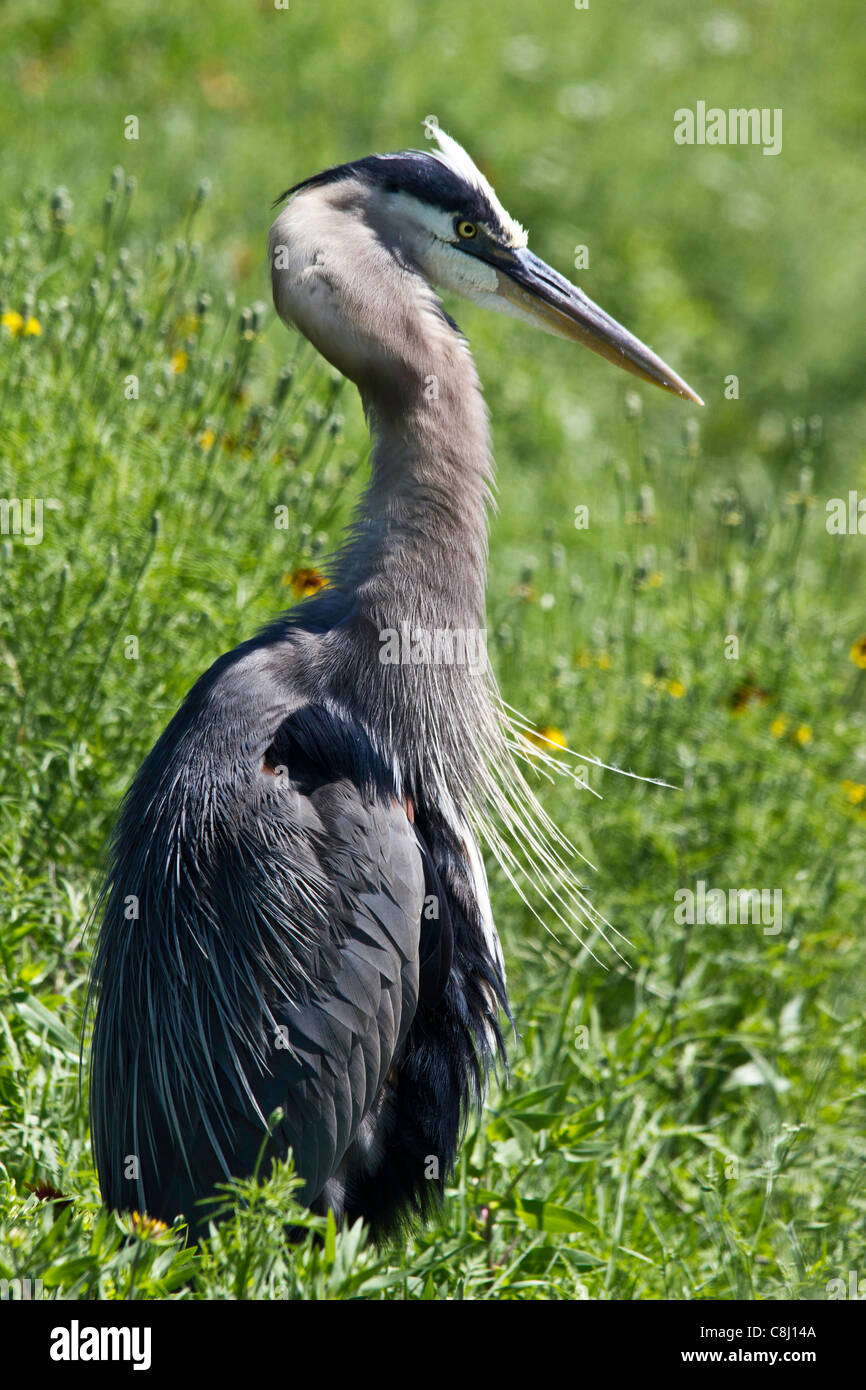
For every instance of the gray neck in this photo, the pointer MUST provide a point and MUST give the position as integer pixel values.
(416, 559)
(418, 548)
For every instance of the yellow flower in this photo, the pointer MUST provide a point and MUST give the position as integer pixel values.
(653, 681)
(303, 582)
(656, 580)
(546, 735)
(604, 662)
(179, 360)
(144, 1225)
(858, 653)
(804, 735)
(779, 726)
(32, 328)
(855, 792)
(207, 439)
(13, 321)
(551, 734)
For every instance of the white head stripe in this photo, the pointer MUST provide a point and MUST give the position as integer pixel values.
(455, 158)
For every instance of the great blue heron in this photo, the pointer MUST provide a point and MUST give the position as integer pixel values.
(296, 915)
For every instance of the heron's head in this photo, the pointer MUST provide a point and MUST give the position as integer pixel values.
(434, 213)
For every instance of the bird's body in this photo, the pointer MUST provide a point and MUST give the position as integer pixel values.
(297, 915)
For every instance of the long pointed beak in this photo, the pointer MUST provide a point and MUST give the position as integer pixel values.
(543, 296)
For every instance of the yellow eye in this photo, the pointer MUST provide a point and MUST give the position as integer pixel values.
(466, 230)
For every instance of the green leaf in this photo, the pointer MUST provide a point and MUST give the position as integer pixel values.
(330, 1238)
(539, 1215)
(34, 1012)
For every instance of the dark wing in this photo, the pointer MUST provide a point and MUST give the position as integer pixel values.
(332, 1052)
(273, 961)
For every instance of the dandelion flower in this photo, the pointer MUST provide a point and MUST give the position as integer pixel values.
(779, 726)
(858, 653)
(855, 792)
(179, 361)
(804, 734)
(551, 734)
(13, 321)
(305, 582)
(144, 1225)
(546, 735)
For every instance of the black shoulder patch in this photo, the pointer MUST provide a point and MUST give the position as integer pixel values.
(319, 745)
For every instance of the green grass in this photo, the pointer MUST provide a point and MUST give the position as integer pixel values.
(687, 1123)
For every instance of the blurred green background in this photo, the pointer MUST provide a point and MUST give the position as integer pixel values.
(688, 1125)
(726, 252)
